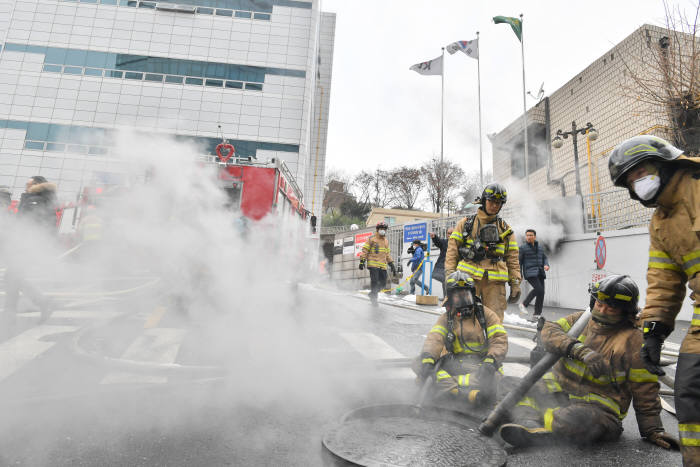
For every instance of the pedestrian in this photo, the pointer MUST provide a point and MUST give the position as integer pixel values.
(534, 266)
(416, 263)
(376, 255)
(36, 222)
(469, 342)
(485, 247)
(658, 175)
(585, 397)
(439, 269)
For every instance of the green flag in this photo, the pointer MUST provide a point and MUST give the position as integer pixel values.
(515, 23)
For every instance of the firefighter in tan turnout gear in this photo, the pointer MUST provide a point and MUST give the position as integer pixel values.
(587, 394)
(376, 255)
(465, 348)
(485, 247)
(658, 175)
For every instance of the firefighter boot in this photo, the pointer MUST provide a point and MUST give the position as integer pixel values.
(526, 433)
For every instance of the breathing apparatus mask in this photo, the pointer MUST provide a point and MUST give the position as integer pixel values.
(382, 232)
(461, 303)
(487, 239)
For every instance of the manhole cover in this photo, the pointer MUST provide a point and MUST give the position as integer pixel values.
(400, 435)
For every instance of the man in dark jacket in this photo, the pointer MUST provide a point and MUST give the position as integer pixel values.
(36, 217)
(534, 265)
(439, 269)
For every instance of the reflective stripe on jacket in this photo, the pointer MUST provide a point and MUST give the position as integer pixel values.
(628, 380)
(376, 252)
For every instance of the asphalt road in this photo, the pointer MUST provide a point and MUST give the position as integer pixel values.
(140, 380)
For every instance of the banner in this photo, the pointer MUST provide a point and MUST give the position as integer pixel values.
(432, 67)
(470, 48)
(360, 240)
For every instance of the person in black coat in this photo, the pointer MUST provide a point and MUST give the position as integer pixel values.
(534, 265)
(439, 269)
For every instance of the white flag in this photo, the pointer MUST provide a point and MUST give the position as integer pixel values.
(433, 67)
(471, 48)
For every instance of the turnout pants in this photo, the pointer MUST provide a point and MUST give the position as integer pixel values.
(377, 278)
(576, 421)
(687, 397)
(537, 293)
(493, 295)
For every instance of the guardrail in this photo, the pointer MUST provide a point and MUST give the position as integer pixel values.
(613, 210)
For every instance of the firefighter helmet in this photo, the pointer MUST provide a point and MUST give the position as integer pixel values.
(382, 225)
(618, 291)
(459, 280)
(636, 150)
(494, 191)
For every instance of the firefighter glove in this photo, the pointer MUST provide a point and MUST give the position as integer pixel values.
(393, 268)
(362, 264)
(655, 333)
(427, 367)
(594, 361)
(485, 372)
(514, 292)
(665, 440)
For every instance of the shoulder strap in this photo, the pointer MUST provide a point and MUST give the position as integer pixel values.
(468, 226)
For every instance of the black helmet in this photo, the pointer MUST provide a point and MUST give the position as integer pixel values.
(459, 280)
(382, 225)
(633, 151)
(617, 291)
(494, 191)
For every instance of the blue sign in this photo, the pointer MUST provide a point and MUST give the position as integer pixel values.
(415, 232)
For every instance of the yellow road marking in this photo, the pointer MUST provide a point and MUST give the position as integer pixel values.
(155, 318)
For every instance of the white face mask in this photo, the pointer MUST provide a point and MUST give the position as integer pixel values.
(646, 187)
(382, 232)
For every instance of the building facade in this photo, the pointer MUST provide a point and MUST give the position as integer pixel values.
(74, 73)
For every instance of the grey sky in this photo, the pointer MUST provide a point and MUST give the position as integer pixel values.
(384, 115)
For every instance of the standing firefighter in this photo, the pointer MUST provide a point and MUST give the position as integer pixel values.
(587, 394)
(484, 246)
(376, 255)
(658, 175)
(470, 342)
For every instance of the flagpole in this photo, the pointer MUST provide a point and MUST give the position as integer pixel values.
(442, 109)
(478, 81)
(522, 56)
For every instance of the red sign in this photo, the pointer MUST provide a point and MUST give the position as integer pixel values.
(600, 252)
(360, 240)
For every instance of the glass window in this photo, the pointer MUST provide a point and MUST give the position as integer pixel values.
(243, 14)
(73, 70)
(253, 86)
(108, 2)
(132, 3)
(205, 11)
(114, 74)
(174, 79)
(92, 72)
(16, 47)
(76, 57)
(88, 1)
(34, 145)
(220, 12)
(132, 75)
(215, 82)
(264, 16)
(97, 151)
(96, 59)
(154, 77)
(56, 146)
(147, 5)
(77, 149)
(53, 68)
(38, 131)
(194, 81)
(234, 84)
(54, 55)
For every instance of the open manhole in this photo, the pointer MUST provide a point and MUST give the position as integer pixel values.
(403, 435)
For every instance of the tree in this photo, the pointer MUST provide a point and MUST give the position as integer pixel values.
(372, 188)
(665, 72)
(406, 184)
(442, 179)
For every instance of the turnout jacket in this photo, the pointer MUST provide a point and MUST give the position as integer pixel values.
(505, 269)
(469, 332)
(627, 382)
(376, 252)
(674, 252)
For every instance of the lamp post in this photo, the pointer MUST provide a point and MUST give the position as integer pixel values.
(557, 142)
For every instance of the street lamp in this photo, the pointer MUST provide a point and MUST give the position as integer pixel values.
(558, 142)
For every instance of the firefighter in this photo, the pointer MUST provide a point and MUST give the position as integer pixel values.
(587, 394)
(376, 255)
(470, 343)
(658, 175)
(485, 247)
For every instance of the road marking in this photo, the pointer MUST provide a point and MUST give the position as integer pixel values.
(157, 345)
(515, 369)
(155, 318)
(371, 346)
(522, 342)
(24, 347)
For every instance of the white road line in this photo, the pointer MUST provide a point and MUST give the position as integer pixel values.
(522, 342)
(24, 347)
(156, 345)
(371, 346)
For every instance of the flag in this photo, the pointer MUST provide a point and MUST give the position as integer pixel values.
(515, 23)
(432, 67)
(471, 48)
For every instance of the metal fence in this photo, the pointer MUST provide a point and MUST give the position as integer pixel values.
(613, 210)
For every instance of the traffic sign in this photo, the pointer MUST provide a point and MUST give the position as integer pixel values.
(600, 252)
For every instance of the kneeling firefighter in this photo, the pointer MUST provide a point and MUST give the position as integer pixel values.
(464, 350)
(659, 175)
(485, 247)
(376, 255)
(589, 390)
